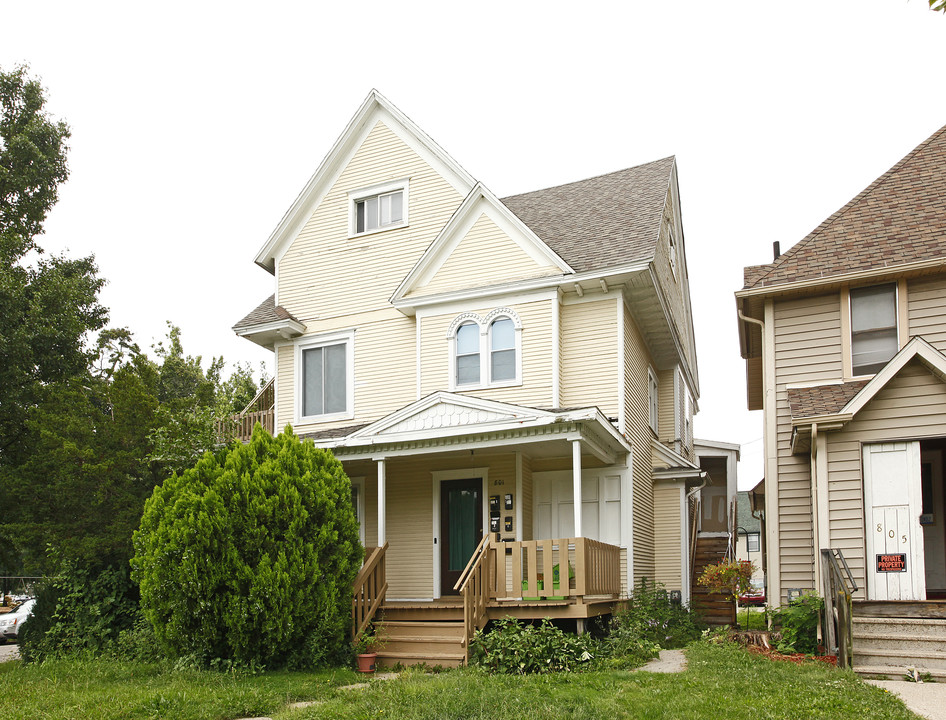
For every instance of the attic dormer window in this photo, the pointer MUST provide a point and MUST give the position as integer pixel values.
(379, 207)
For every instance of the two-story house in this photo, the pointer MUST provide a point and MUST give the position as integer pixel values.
(844, 338)
(514, 369)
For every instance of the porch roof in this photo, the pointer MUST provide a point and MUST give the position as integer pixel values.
(445, 422)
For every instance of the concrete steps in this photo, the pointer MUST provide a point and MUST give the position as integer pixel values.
(886, 646)
(409, 640)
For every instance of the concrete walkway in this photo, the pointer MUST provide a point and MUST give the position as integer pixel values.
(927, 700)
(669, 661)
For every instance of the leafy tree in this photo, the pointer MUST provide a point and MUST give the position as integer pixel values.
(938, 5)
(250, 556)
(47, 306)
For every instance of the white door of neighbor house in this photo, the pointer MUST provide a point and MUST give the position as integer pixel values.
(895, 567)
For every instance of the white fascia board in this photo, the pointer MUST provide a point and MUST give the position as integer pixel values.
(666, 474)
(688, 373)
(375, 107)
(274, 326)
(890, 271)
(670, 456)
(409, 306)
(479, 201)
(715, 445)
(916, 348)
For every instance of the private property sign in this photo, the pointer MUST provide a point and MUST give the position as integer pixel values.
(892, 563)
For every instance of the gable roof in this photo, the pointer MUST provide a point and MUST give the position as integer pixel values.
(601, 222)
(375, 108)
(266, 312)
(822, 399)
(898, 219)
(479, 201)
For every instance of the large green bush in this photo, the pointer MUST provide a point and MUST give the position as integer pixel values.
(249, 557)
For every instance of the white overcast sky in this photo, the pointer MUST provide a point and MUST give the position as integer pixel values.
(195, 125)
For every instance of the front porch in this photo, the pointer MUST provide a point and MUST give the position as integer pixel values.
(501, 579)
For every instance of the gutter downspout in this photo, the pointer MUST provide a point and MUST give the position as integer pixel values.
(815, 525)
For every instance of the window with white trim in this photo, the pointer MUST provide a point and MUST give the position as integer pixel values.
(753, 542)
(379, 207)
(485, 351)
(874, 335)
(326, 378)
(653, 399)
(467, 348)
(502, 350)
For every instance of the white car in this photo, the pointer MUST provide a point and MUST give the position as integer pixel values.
(11, 622)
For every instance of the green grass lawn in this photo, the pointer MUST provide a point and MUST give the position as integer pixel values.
(722, 681)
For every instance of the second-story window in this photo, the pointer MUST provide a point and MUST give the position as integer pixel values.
(324, 367)
(468, 354)
(653, 399)
(502, 350)
(874, 338)
(485, 351)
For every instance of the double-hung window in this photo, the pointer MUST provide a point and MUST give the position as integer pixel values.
(379, 208)
(874, 338)
(502, 350)
(325, 371)
(468, 354)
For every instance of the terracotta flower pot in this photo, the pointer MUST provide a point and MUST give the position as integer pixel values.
(366, 662)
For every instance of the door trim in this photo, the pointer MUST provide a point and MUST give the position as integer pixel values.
(439, 476)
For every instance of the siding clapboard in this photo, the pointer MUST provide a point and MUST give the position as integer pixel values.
(590, 355)
(927, 310)
(485, 256)
(807, 349)
(668, 536)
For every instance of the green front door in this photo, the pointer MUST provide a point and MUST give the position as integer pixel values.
(461, 528)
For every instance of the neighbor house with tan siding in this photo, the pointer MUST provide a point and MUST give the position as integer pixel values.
(506, 369)
(844, 338)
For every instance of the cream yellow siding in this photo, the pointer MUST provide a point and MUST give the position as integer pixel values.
(668, 535)
(326, 274)
(911, 406)
(637, 427)
(590, 347)
(927, 310)
(807, 349)
(536, 345)
(485, 256)
(285, 376)
(384, 372)
(525, 502)
(671, 281)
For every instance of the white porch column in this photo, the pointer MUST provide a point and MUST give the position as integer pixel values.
(382, 502)
(576, 484)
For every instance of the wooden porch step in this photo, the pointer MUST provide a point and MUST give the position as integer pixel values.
(388, 659)
(891, 672)
(415, 642)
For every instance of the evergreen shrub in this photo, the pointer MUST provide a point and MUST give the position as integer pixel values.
(248, 558)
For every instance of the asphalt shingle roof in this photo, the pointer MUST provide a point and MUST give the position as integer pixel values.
(823, 399)
(266, 312)
(601, 222)
(899, 218)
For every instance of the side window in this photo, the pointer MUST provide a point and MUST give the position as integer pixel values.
(653, 398)
(324, 368)
(874, 338)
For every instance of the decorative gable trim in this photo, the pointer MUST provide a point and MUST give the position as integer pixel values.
(442, 410)
(375, 108)
(477, 202)
(916, 348)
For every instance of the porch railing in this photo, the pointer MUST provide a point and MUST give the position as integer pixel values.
(839, 588)
(474, 587)
(556, 569)
(370, 587)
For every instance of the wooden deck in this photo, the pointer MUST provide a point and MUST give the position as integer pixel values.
(502, 579)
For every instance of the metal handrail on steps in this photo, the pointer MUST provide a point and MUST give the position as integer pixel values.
(839, 588)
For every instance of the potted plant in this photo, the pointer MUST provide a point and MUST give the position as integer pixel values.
(366, 645)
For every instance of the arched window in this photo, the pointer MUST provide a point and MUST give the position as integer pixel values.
(468, 354)
(502, 350)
